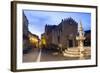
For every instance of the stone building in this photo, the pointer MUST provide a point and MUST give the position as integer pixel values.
(43, 42)
(87, 41)
(33, 40)
(49, 33)
(63, 34)
(25, 33)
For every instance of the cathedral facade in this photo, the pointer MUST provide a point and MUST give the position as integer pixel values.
(63, 35)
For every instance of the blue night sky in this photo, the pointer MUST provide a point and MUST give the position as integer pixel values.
(38, 19)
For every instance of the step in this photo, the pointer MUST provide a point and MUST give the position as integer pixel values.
(74, 52)
(70, 55)
(73, 49)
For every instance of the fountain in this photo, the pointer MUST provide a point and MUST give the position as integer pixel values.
(77, 52)
(80, 39)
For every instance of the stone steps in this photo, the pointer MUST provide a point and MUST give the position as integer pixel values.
(70, 55)
(74, 52)
(73, 49)
(71, 52)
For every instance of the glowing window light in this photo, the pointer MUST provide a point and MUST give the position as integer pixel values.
(33, 40)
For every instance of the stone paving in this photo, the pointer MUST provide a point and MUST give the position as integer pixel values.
(37, 55)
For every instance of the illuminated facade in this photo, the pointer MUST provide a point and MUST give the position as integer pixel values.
(43, 42)
(34, 40)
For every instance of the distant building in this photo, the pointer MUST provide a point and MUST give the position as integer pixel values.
(63, 34)
(87, 41)
(43, 42)
(34, 40)
(49, 33)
